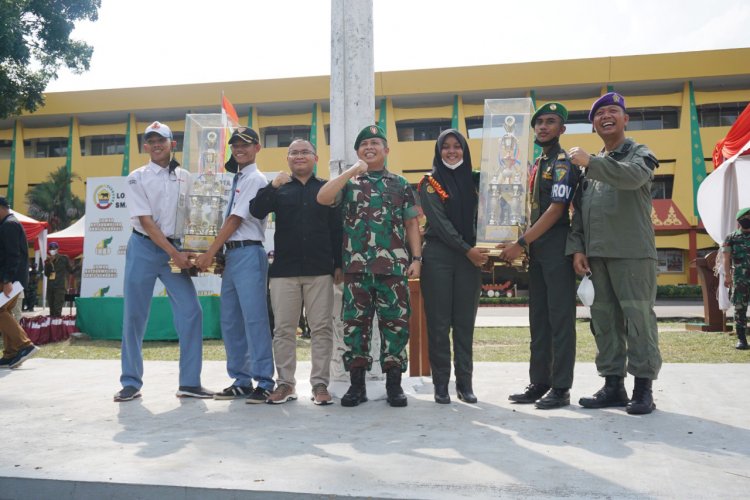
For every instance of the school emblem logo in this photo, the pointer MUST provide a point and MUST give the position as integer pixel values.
(103, 247)
(102, 292)
(104, 196)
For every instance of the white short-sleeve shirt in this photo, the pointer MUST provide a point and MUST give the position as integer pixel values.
(153, 191)
(251, 180)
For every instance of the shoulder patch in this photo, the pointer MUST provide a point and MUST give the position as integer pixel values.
(561, 156)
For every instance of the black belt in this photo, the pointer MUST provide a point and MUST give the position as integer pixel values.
(239, 244)
(171, 240)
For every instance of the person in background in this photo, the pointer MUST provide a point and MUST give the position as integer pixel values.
(56, 268)
(736, 251)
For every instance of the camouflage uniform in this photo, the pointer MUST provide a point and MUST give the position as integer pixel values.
(738, 244)
(375, 207)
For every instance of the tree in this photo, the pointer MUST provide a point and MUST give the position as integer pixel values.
(34, 44)
(52, 201)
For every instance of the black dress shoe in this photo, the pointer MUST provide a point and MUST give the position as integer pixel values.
(441, 394)
(530, 395)
(555, 398)
(464, 391)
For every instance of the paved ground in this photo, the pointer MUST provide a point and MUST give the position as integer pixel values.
(65, 439)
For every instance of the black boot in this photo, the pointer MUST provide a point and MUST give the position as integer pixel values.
(441, 393)
(530, 394)
(357, 392)
(643, 399)
(464, 391)
(741, 340)
(395, 393)
(612, 394)
(555, 398)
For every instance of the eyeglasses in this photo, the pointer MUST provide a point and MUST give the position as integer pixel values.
(305, 152)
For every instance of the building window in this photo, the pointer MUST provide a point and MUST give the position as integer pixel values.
(281, 137)
(5, 148)
(659, 118)
(661, 187)
(475, 126)
(670, 260)
(421, 130)
(179, 138)
(719, 115)
(48, 147)
(578, 123)
(102, 145)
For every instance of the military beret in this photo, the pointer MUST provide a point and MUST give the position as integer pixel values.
(743, 212)
(606, 100)
(551, 108)
(369, 132)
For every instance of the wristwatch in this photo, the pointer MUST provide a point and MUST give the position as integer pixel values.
(417, 258)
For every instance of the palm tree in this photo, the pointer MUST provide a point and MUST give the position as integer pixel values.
(53, 202)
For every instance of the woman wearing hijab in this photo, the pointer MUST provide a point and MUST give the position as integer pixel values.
(451, 271)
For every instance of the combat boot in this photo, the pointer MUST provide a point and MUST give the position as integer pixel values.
(741, 340)
(464, 391)
(396, 396)
(357, 392)
(643, 399)
(612, 394)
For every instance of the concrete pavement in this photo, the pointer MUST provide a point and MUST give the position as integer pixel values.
(65, 439)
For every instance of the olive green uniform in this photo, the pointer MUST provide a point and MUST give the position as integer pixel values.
(450, 286)
(552, 307)
(56, 270)
(612, 227)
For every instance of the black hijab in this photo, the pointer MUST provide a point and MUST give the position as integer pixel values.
(461, 205)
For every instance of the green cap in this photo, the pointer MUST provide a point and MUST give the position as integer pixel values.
(743, 212)
(369, 132)
(554, 108)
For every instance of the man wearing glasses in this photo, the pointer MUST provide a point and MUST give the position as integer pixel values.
(307, 261)
(244, 307)
(154, 192)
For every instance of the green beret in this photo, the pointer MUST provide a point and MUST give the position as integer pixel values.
(742, 213)
(551, 108)
(369, 132)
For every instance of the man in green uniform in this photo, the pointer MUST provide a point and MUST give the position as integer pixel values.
(380, 219)
(552, 306)
(56, 269)
(736, 250)
(612, 238)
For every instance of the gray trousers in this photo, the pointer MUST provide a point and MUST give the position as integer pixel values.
(622, 317)
(450, 287)
(552, 311)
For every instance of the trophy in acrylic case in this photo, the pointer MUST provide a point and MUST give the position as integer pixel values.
(200, 213)
(503, 183)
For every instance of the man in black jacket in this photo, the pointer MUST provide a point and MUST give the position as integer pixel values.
(307, 256)
(14, 257)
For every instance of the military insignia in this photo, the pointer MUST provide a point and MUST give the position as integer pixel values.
(547, 175)
(373, 129)
(553, 107)
(561, 156)
(430, 189)
(560, 173)
(616, 98)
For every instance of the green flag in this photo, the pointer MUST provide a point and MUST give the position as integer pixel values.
(537, 147)
(699, 164)
(382, 121)
(314, 133)
(454, 116)
(250, 117)
(126, 153)
(12, 171)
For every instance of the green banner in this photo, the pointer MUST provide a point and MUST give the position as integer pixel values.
(454, 116)
(314, 133)
(12, 171)
(699, 164)
(250, 117)
(537, 147)
(126, 152)
(382, 120)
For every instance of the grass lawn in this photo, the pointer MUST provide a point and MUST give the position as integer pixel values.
(490, 344)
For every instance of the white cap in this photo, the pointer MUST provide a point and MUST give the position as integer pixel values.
(158, 128)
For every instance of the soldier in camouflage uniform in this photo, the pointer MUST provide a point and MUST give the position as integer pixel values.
(552, 306)
(736, 250)
(380, 219)
(611, 237)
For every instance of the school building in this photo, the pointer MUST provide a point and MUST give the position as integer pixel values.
(680, 105)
